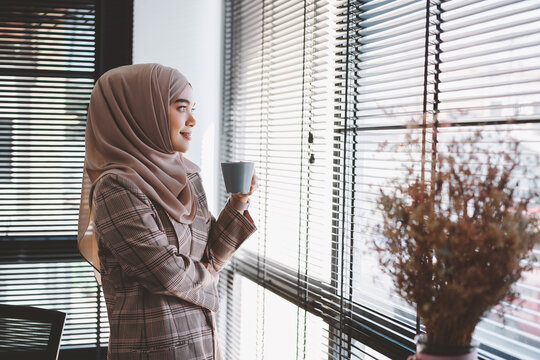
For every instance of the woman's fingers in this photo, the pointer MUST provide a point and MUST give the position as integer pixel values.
(254, 183)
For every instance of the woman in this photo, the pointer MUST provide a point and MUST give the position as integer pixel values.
(144, 222)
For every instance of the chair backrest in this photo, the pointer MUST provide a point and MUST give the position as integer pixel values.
(30, 333)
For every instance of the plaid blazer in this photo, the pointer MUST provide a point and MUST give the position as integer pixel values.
(160, 298)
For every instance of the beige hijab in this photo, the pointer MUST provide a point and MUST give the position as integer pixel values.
(127, 133)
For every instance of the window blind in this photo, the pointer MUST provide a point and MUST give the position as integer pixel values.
(487, 73)
(47, 70)
(47, 74)
(311, 91)
(454, 67)
(380, 85)
(279, 70)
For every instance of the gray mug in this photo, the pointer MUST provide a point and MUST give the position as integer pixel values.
(237, 176)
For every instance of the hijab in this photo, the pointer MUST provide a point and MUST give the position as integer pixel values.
(128, 134)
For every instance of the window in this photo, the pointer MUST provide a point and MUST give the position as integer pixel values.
(311, 89)
(50, 55)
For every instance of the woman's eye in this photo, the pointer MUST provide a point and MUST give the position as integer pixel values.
(193, 109)
(182, 108)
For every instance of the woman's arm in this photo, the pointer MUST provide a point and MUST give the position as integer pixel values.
(125, 222)
(231, 229)
(226, 235)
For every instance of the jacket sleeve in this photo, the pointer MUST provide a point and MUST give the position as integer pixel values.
(126, 225)
(227, 233)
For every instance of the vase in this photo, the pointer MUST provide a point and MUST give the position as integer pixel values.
(427, 351)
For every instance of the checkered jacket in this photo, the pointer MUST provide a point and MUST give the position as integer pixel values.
(160, 298)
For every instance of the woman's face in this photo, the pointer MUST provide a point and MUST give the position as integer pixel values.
(181, 121)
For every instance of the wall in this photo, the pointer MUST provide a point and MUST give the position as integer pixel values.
(188, 35)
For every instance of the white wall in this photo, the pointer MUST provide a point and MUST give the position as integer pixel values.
(188, 35)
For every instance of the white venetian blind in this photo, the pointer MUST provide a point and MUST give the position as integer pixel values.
(312, 88)
(454, 67)
(279, 71)
(488, 59)
(380, 86)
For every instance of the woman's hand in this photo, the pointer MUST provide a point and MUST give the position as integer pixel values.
(254, 185)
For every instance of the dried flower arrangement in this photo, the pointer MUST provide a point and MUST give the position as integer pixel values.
(454, 245)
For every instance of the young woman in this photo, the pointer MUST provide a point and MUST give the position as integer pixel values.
(144, 222)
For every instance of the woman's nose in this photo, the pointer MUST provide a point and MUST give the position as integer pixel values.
(191, 121)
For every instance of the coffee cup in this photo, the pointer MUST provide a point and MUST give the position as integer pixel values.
(237, 176)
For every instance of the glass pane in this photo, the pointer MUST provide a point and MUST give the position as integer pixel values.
(273, 328)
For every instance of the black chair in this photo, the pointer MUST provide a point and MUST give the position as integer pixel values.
(30, 333)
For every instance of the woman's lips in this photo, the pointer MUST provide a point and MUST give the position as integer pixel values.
(186, 136)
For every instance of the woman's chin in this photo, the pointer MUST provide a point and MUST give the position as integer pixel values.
(181, 149)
